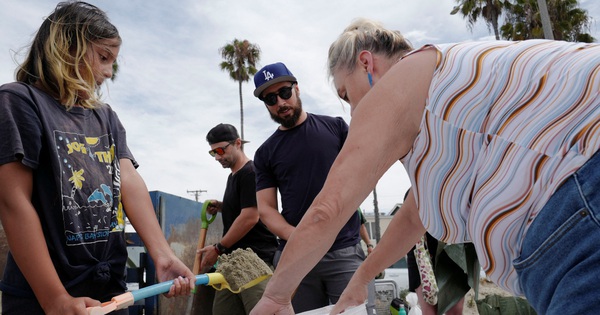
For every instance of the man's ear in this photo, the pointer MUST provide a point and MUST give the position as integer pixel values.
(297, 89)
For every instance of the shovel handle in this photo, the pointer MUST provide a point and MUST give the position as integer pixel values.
(202, 238)
(129, 298)
(197, 257)
(203, 215)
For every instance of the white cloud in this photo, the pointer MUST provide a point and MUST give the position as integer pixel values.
(170, 90)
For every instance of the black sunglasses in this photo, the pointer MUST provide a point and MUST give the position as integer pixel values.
(219, 150)
(284, 92)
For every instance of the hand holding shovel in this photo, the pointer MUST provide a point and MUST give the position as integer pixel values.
(205, 221)
(237, 271)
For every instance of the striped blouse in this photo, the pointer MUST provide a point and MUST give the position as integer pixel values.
(505, 124)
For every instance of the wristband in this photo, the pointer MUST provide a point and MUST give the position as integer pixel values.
(370, 246)
(220, 249)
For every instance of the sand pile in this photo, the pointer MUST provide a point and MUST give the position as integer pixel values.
(242, 269)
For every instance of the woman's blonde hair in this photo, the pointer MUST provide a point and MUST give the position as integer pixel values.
(56, 60)
(363, 34)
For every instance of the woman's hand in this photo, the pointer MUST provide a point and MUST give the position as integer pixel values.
(268, 306)
(356, 293)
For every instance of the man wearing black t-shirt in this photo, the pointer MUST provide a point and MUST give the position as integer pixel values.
(241, 225)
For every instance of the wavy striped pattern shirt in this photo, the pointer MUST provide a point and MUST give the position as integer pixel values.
(505, 124)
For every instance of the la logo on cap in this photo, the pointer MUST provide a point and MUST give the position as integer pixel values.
(271, 74)
(268, 75)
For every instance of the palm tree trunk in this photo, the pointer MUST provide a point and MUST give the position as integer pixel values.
(495, 26)
(494, 12)
(546, 25)
(241, 114)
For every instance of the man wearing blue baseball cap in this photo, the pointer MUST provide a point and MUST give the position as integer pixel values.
(295, 161)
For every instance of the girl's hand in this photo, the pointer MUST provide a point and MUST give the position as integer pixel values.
(68, 305)
(173, 268)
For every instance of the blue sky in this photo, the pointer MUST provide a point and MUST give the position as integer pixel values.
(170, 90)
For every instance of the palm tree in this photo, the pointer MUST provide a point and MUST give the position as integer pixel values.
(240, 59)
(489, 10)
(545, 17)
(569, 22)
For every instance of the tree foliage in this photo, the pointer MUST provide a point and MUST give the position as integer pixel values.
(522, 19)
(489, 10)
(239, 60)
(569, 22)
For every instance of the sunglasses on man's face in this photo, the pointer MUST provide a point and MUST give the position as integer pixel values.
(219, 150)
(285, 93)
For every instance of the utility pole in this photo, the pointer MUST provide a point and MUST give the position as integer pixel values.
(376, 209)
(196, 193)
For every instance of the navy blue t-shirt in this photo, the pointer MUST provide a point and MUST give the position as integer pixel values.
(74, 157)
(296, 162)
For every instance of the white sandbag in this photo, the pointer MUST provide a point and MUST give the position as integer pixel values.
(413, 302)
(356, 310)
(415, 311)
(412, 299)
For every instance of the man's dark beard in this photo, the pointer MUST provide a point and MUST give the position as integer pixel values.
(290, 121)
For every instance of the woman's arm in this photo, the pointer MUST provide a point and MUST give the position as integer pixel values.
(140, 212)
(383, 128)
(402, 234)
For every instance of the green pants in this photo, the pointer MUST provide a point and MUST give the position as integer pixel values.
(228, 303)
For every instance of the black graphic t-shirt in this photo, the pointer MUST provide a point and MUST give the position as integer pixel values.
(239, 194)
(74, 156)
